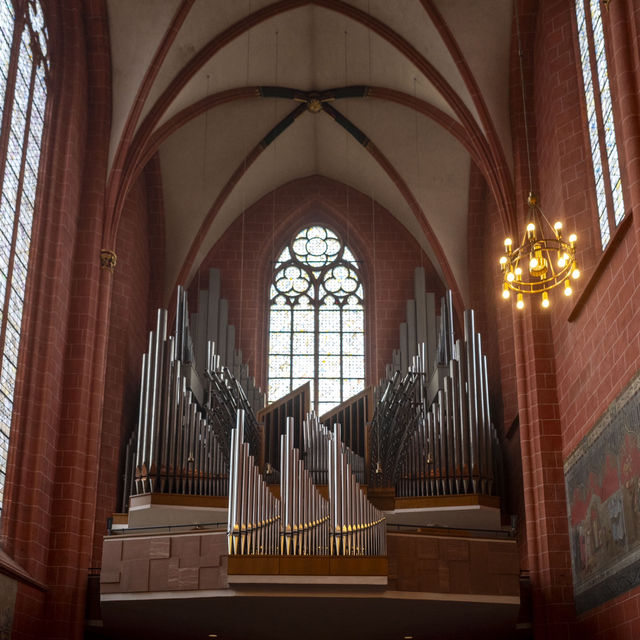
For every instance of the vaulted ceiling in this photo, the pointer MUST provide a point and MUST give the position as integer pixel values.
(238, 97)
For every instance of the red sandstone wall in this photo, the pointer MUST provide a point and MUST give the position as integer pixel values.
(349, 212)
(594, 356)
(128, 338)
(598, 353)
(48, 523)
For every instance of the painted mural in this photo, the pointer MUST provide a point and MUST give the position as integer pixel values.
(603, 494)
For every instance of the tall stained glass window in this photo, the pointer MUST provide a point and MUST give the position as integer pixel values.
(23, 94)
(602, 134)
(316, 321)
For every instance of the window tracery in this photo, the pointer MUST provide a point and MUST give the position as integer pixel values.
(23, 94)
(602, 135)
(316, 321)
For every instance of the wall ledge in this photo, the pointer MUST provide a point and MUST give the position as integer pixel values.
(11, 568)
(605, 258)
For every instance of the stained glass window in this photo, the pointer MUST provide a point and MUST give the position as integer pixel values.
(23, 93)
(602, 135)
(316, 321)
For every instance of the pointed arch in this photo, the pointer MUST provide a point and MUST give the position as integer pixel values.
(316, 319)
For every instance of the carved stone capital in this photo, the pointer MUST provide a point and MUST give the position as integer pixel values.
(108, 259)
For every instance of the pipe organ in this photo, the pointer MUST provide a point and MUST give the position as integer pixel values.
(354, 414)
(210, 323)
(177, 450)
(254, 512)
(430, 434)
(181, 442)
(418, 334)
(225, 397)
(302, 521)
(356, 526)
(305, 512)
(429, 442)
(294, 405)
(316, 438)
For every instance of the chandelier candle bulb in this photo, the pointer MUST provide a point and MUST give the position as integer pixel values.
(531, 230)
(545, 299)
(557, 227)
(567, 288)
(520, 302)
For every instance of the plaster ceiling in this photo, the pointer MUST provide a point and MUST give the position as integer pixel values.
(449, 56)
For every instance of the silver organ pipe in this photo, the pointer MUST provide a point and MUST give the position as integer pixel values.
(181, 442)
(315, 440)
(431, 433)
(302, 521)
(453, 447)
(254, 512)
(356, 527)
(305, 511)
(177, 448)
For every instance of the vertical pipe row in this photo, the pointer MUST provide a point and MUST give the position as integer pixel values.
(356, 526)
(453, 446)
(177, 449)
(303, 530)
(302, 522)
(254, 512)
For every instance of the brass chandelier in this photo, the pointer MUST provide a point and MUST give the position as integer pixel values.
(544, 259)
(540, 263)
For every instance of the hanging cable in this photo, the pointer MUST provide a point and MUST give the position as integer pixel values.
(524, 102)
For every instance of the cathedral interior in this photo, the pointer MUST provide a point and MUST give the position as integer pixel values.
(320, 319)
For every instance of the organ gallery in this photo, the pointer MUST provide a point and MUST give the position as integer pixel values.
(318, 319)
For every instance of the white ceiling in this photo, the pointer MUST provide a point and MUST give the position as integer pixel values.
(314, 46)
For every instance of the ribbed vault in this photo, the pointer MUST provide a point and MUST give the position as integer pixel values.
(238, 98)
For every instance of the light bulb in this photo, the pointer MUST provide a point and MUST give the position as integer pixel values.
(572, 238)
(545, 299)
(575, 274)
(510, 276)
(533, 263)
(562, 263)
(567, 288)
(505, 291)
(503, 261)
(507, 242)
(557, 226)
(531, 227)
(520, 302)
(518, 272)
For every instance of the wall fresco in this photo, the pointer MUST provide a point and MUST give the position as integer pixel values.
(603, 494)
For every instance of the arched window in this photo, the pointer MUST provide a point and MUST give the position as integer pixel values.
(602, 134)
(316, 321)
(23, 94)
